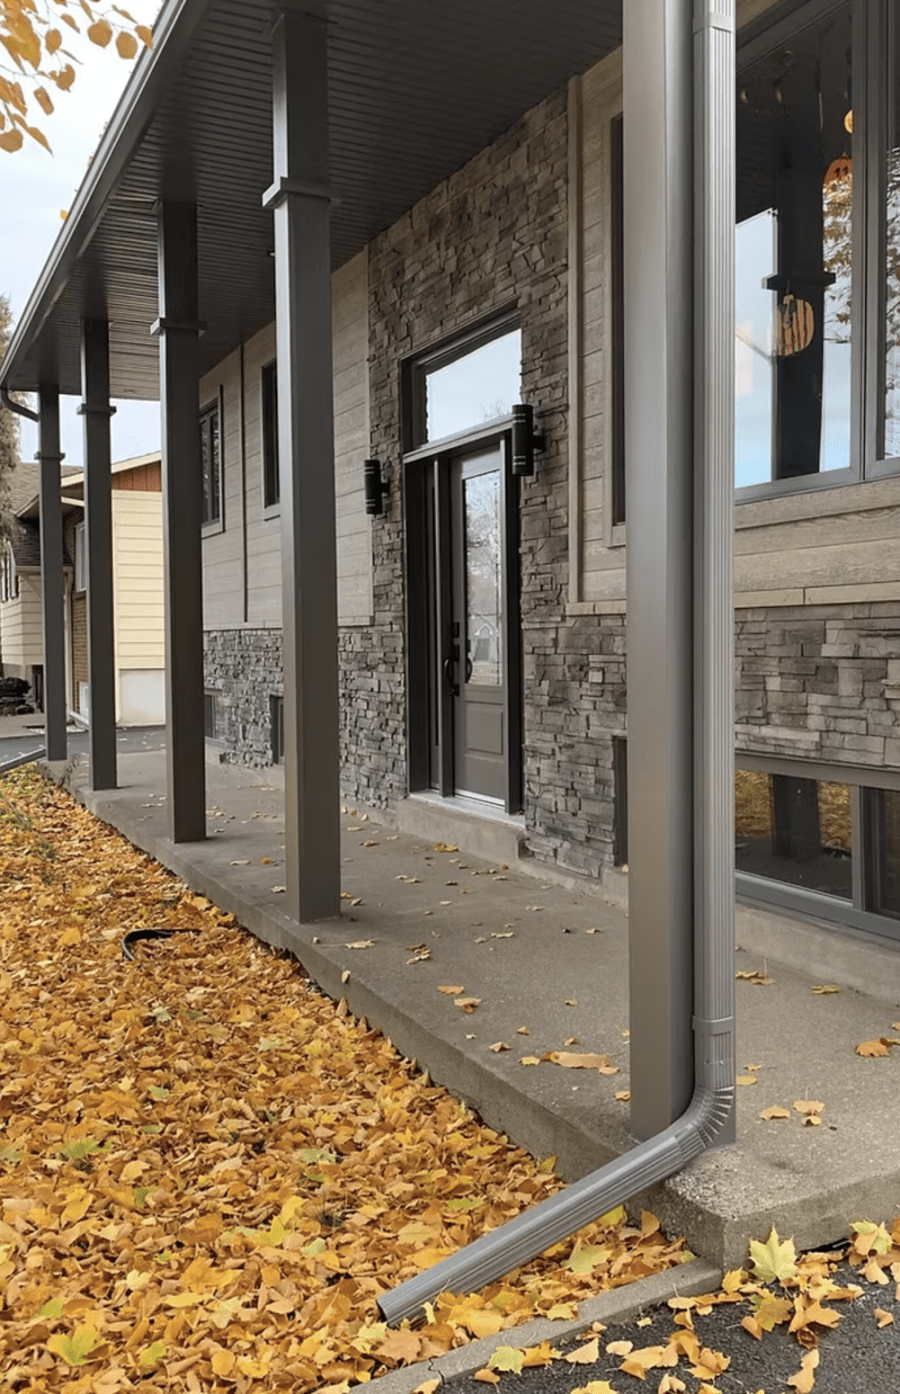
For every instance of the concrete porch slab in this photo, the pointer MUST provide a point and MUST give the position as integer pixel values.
(551, 958)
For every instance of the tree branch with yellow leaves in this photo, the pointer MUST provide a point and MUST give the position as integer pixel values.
(39, 40)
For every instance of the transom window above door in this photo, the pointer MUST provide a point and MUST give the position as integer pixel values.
(471, 382)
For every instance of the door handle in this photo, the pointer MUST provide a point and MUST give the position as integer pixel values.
(449, 663)
(468, 668)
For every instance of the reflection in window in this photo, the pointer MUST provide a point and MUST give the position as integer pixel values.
(892, 249)
(793, 254)
(478, 387)
(483, 581)
(211, 465)
(794, 830)
(887, 851)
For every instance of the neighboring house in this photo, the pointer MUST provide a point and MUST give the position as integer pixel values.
(21, 624)
(137, 592)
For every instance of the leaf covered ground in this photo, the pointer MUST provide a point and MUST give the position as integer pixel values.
(776, 1326)
(208, 1172)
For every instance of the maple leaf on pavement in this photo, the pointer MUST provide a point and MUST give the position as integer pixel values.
(773, 1262)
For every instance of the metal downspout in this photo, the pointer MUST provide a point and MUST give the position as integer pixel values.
(18, 407)
(25, 759)
(709, 1116)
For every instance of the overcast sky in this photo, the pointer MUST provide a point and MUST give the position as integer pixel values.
(35, 186)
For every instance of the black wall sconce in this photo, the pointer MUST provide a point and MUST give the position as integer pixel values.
(375, 488)
(524, 440)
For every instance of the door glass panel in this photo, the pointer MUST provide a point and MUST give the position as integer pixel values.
(483, 555)
(892, 249)
(477, 387)
(794, 257)
(794, 830)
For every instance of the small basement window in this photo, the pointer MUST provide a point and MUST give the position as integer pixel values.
(276, 713)
(210, 715)
(820, 840)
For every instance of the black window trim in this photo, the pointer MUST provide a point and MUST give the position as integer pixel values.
(268, 426)
(216, 522)
(415, 370)
(855, 915)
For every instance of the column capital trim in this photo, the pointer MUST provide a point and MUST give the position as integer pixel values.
(165, 323)
(49, 455)
(95, 409)
(285, 187)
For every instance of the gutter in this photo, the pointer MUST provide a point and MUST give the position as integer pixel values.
(172, 32)
(672, 27)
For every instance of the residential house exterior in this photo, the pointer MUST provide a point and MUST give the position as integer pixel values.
(483, 616)
(493, 272)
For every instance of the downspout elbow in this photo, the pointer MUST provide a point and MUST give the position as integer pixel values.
(18, 408)
(558, 1217)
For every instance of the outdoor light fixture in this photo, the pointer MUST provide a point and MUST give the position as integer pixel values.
(524, 440)
(376, 489)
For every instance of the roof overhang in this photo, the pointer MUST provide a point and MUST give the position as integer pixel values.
(415, 90)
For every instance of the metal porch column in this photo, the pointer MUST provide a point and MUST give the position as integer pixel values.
(679, 343)
(178, 327)
(96, 410)
(300, 200)
(53, 584)
(659, 296)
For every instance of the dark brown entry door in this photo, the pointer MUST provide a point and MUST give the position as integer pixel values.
(479, 669)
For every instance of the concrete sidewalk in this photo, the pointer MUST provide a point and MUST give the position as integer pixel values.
(550, 960)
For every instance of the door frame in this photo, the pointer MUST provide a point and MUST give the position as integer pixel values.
(429, 706)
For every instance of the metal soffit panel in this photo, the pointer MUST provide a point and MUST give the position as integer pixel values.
(415, 91)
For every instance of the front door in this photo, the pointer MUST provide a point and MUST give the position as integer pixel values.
(479, 677)
(465, 679)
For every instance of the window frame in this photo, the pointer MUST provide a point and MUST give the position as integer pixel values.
(214, 522)
(268, 430)
(80, 559)
(9, 573)
(755, 45)
(276, 726)
(857, 915)
(415, 371)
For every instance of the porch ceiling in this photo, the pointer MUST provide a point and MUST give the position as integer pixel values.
(416, 89)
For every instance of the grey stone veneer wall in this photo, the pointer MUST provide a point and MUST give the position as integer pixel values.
(820, 683)
(244, 667)
(491, 237)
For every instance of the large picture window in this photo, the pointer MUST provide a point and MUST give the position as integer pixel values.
(817, 293)
(795, 254)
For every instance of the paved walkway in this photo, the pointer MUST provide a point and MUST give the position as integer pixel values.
(548, 966)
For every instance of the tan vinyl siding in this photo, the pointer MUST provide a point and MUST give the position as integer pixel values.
(22, 624)
(601, 102)
(350, 288)
(223, 558)
(138, 580)
(223, 542)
